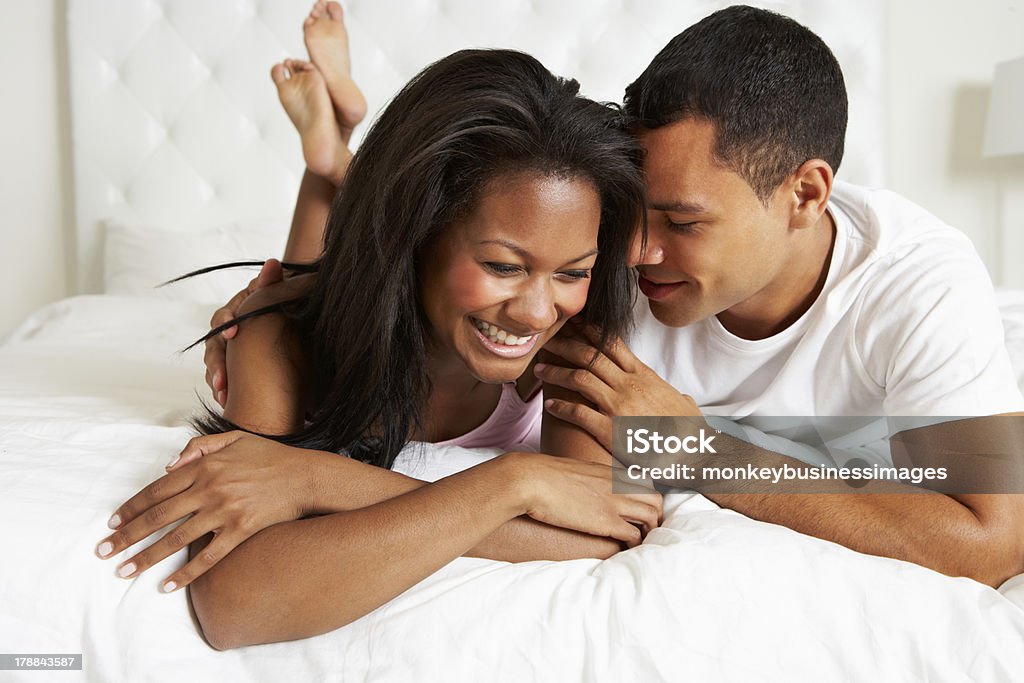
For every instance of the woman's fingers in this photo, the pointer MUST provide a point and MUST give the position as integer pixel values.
(210, 443)
(199, 446)
(214, 552)
(162, 489)
(622, 530)
(171, 542)
(172, 483)
(597, 424)
(167, 508)
(215, 354)
(640, 511)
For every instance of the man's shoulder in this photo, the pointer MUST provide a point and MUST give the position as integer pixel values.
(898, 240)
(893, 224)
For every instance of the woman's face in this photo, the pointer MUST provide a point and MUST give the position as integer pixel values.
(500, 281)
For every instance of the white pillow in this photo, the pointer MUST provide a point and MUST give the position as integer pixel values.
(137, 258)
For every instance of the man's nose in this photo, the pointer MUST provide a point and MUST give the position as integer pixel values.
(642, 253)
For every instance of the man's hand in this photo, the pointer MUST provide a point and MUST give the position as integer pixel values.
(616, 382)
(214, 357)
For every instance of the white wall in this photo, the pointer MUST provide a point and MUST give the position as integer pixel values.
(942, 54)
(35, 204)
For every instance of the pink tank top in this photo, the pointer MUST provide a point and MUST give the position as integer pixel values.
(514, 424)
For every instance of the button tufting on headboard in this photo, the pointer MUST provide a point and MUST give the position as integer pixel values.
(176, 123)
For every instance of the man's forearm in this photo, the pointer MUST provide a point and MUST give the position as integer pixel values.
(882, 518)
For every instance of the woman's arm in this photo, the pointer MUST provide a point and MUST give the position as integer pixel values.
(302, 578)
(266, 370)
(352, 562)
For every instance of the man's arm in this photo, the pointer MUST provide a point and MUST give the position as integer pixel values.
(977, 535)
(974, 535)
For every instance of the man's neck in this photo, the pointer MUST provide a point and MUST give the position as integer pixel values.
(786, 301)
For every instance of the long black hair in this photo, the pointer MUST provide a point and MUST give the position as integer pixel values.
(459, 124)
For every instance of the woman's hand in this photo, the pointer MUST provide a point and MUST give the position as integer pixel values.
(232, 485)
(577, 495)
(616, 382)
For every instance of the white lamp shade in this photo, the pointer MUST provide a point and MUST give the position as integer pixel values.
(1004, 131)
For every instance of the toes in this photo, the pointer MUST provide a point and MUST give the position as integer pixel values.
(334, 11)
(295, 65)
(278, 74)
(318, 10)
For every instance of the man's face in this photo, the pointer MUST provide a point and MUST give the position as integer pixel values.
(713, 247)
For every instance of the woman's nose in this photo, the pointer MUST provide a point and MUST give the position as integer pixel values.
(534, 307)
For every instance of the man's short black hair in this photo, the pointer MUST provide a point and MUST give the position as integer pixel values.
(771, 87)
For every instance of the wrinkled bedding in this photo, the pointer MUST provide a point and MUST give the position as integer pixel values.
(93, 400)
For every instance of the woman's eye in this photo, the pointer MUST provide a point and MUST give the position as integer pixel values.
(502, 268)
(575, 275)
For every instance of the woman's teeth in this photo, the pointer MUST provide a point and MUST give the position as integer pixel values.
(500, 336)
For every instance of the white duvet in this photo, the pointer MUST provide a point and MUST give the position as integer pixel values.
(92, 399)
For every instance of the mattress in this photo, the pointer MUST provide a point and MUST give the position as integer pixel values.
(92, 405)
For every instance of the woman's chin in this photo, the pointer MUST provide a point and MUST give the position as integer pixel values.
(500, 371)
(498, 378)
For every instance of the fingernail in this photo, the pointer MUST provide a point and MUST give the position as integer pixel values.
(216, 379)
(222, 397)
(104, 549)
(540, 367)
(550, 403)
(114, 521)
(126, 570)
(171, 463)
(169, 586)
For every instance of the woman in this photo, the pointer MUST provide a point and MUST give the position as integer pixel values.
(465, 235)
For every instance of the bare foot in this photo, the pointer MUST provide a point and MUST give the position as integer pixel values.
(303, 93)
(327, 42)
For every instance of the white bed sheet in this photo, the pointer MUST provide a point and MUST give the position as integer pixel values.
(92, 399)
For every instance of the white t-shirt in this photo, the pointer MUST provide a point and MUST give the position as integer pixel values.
(906, 325)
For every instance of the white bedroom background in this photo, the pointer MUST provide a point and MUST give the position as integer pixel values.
(941, 57)
(35, 176)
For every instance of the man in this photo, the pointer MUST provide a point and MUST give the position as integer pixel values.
(774, 290)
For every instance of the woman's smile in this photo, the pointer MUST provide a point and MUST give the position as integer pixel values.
(501, 342)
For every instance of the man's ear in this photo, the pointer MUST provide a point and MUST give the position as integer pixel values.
(811, 187)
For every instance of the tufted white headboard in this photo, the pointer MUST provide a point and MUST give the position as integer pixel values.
(176, 124)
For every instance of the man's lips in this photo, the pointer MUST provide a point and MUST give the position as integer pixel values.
(657, 290)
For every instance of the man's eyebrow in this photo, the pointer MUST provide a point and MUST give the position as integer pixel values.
(525, 255)
(679, 207)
